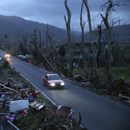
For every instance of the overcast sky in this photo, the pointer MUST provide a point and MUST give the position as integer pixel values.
(52, 11)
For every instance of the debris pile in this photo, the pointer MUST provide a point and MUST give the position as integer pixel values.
(27, 114)
(21, 107)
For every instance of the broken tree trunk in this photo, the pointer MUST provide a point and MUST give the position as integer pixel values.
(5, 87)
(82, 24)
(94, 69)
(35, 42)
(108, 60)
(69, 36)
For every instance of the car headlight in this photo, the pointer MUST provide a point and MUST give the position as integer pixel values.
(7, 55)
(62, 84)
(52, 84)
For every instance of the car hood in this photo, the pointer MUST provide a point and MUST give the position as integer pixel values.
(55, 81)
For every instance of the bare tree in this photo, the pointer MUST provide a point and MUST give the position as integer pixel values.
(82, 24)
(98, 43)
(110, 6)
(94, 69)
(40, 39)
(23, 44)
(35, 43)
(70, 52)
(25, 39)
(51, 47)
(47, 36)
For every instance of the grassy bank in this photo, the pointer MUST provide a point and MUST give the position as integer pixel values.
(117, 71)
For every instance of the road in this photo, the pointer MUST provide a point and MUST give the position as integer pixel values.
(98, 113)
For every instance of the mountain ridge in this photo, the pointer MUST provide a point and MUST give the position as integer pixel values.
(12, 26)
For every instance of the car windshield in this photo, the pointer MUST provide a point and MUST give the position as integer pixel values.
(53, 77)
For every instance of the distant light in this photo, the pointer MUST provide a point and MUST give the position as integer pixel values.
(7, 55)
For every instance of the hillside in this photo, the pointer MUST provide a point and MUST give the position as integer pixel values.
(122, 34)
(12, 26)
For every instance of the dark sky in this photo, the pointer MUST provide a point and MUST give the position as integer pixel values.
(52, 11)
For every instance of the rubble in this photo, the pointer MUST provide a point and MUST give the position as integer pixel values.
(37, 105)
(83, 84)
(17, 105)
(64, 111)
(3, 87)
(19, 113)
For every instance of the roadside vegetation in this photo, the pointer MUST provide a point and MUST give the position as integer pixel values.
(117, 71)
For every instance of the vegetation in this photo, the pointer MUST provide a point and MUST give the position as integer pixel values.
(62, 51)
(122, 72)
(6, 63)
(117, 71)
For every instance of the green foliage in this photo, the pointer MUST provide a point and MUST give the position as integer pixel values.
(122, 72)
(101, 71)
(117, 71)
(66, 44)
(62, 51)
(5, 64)
(42, 98)
(127, 54)
(37, 56)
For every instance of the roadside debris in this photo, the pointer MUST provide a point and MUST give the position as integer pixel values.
(17, 105)
(64, 111)
(87, 84)
(15, 100)
(37, 105)
(116, 90)
(20, 108)
(2, 86)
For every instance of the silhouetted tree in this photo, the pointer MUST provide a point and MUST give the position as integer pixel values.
(5, 36)
(109, 6)
(94, 50)
(82, 24)
(62, 50)
(70, 51)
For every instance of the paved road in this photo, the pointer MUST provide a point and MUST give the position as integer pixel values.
(98, 113)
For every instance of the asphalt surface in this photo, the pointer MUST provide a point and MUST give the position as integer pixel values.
(98, 113)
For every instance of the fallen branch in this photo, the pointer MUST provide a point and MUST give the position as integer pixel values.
(9, 70)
